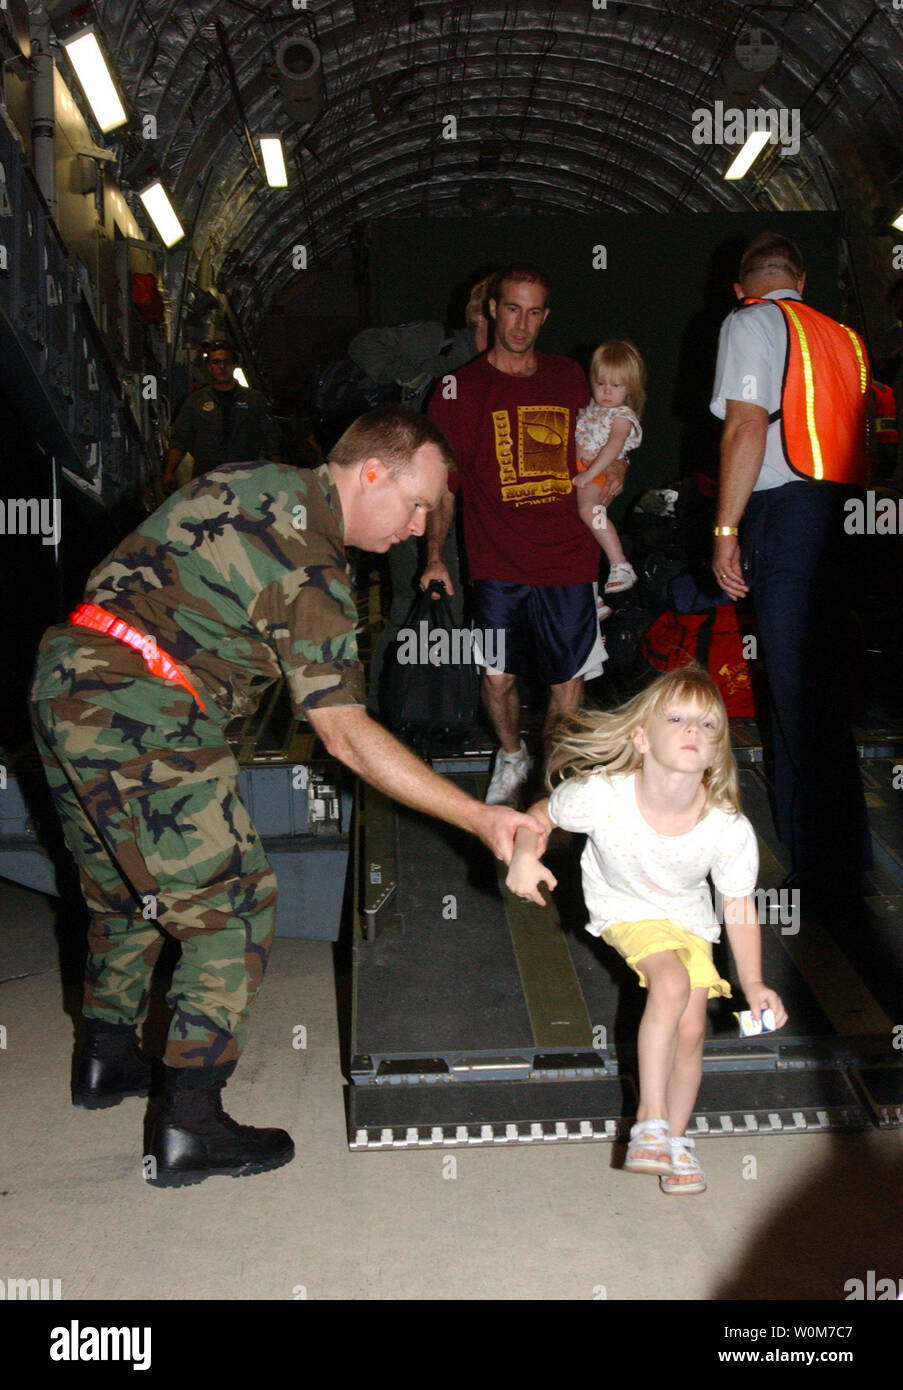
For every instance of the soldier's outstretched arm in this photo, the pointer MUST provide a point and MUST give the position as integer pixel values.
(371, 751)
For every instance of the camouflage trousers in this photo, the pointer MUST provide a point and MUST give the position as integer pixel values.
(147, 792)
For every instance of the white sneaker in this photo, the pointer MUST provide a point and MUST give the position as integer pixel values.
(509, 775)
(620, 578)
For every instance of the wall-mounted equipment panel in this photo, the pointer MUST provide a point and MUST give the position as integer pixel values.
(54, 362)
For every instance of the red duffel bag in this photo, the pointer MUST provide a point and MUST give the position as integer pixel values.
(715, 640)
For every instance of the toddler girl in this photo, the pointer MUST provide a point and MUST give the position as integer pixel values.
(606, 429)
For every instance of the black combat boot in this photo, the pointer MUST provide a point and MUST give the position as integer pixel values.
(111, 1066)
(194, 1138)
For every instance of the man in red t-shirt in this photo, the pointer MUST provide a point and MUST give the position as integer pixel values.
(509, 416)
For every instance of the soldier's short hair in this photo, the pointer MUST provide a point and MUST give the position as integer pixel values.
(393, 434)
(770, 251)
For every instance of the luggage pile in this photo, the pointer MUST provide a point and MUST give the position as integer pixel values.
(676, 614)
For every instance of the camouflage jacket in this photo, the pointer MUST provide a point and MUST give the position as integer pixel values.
(240, 576)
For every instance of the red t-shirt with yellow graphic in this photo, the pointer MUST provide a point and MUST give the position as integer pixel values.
(513, 438)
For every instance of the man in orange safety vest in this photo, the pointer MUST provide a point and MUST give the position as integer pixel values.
(793, 388)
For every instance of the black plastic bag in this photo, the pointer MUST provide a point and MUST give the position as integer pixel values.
(429, 691)
(624, 632)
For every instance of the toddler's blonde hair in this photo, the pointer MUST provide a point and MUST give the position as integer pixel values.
(618, 356)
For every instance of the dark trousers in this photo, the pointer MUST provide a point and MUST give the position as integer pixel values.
(795, 553)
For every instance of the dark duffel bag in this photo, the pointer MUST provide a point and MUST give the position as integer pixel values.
(624, 632)
(429, 692)
(344, 392)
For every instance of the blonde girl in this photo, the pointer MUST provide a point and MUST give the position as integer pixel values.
(654, 787)
(606, 430)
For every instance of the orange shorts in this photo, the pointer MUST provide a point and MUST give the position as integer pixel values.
(600, 480)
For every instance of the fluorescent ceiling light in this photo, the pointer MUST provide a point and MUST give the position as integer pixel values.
(750, 152)
(161, 213)
(898, 221)
(240, 377)
(273, 161)
(96, 83)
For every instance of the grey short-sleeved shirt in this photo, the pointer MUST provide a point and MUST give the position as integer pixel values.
(751, 353)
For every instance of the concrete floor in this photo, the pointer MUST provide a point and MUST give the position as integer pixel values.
(556, 1222)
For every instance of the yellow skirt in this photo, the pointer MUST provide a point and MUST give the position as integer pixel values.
(634, 940)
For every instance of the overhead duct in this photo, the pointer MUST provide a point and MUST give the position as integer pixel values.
(300, 76)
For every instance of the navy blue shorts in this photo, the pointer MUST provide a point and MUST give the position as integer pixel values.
(550, 633)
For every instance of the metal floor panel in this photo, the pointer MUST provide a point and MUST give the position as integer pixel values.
(455, 1011)
(525, 1112)
(432, 983)
(882, 1087)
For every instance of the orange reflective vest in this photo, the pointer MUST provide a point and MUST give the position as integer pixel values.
(824, 396)
(885, 413)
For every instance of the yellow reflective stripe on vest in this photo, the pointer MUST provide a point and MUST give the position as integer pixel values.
(809, 382)
(863, 373)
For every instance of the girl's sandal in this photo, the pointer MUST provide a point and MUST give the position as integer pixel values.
(649, 1148)
(686, 1175)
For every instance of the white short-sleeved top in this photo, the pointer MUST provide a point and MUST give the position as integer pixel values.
(593, 428)
(752, 350)
(631, 872)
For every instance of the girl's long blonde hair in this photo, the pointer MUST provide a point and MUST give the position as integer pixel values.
(601, 740)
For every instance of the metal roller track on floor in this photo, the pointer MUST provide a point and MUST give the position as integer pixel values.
(479, 1020)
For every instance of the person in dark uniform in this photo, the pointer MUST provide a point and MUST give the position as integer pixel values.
(221, 423)
(792, 387)
(237, 579)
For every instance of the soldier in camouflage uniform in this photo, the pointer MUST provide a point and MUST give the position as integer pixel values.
(238, 578)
